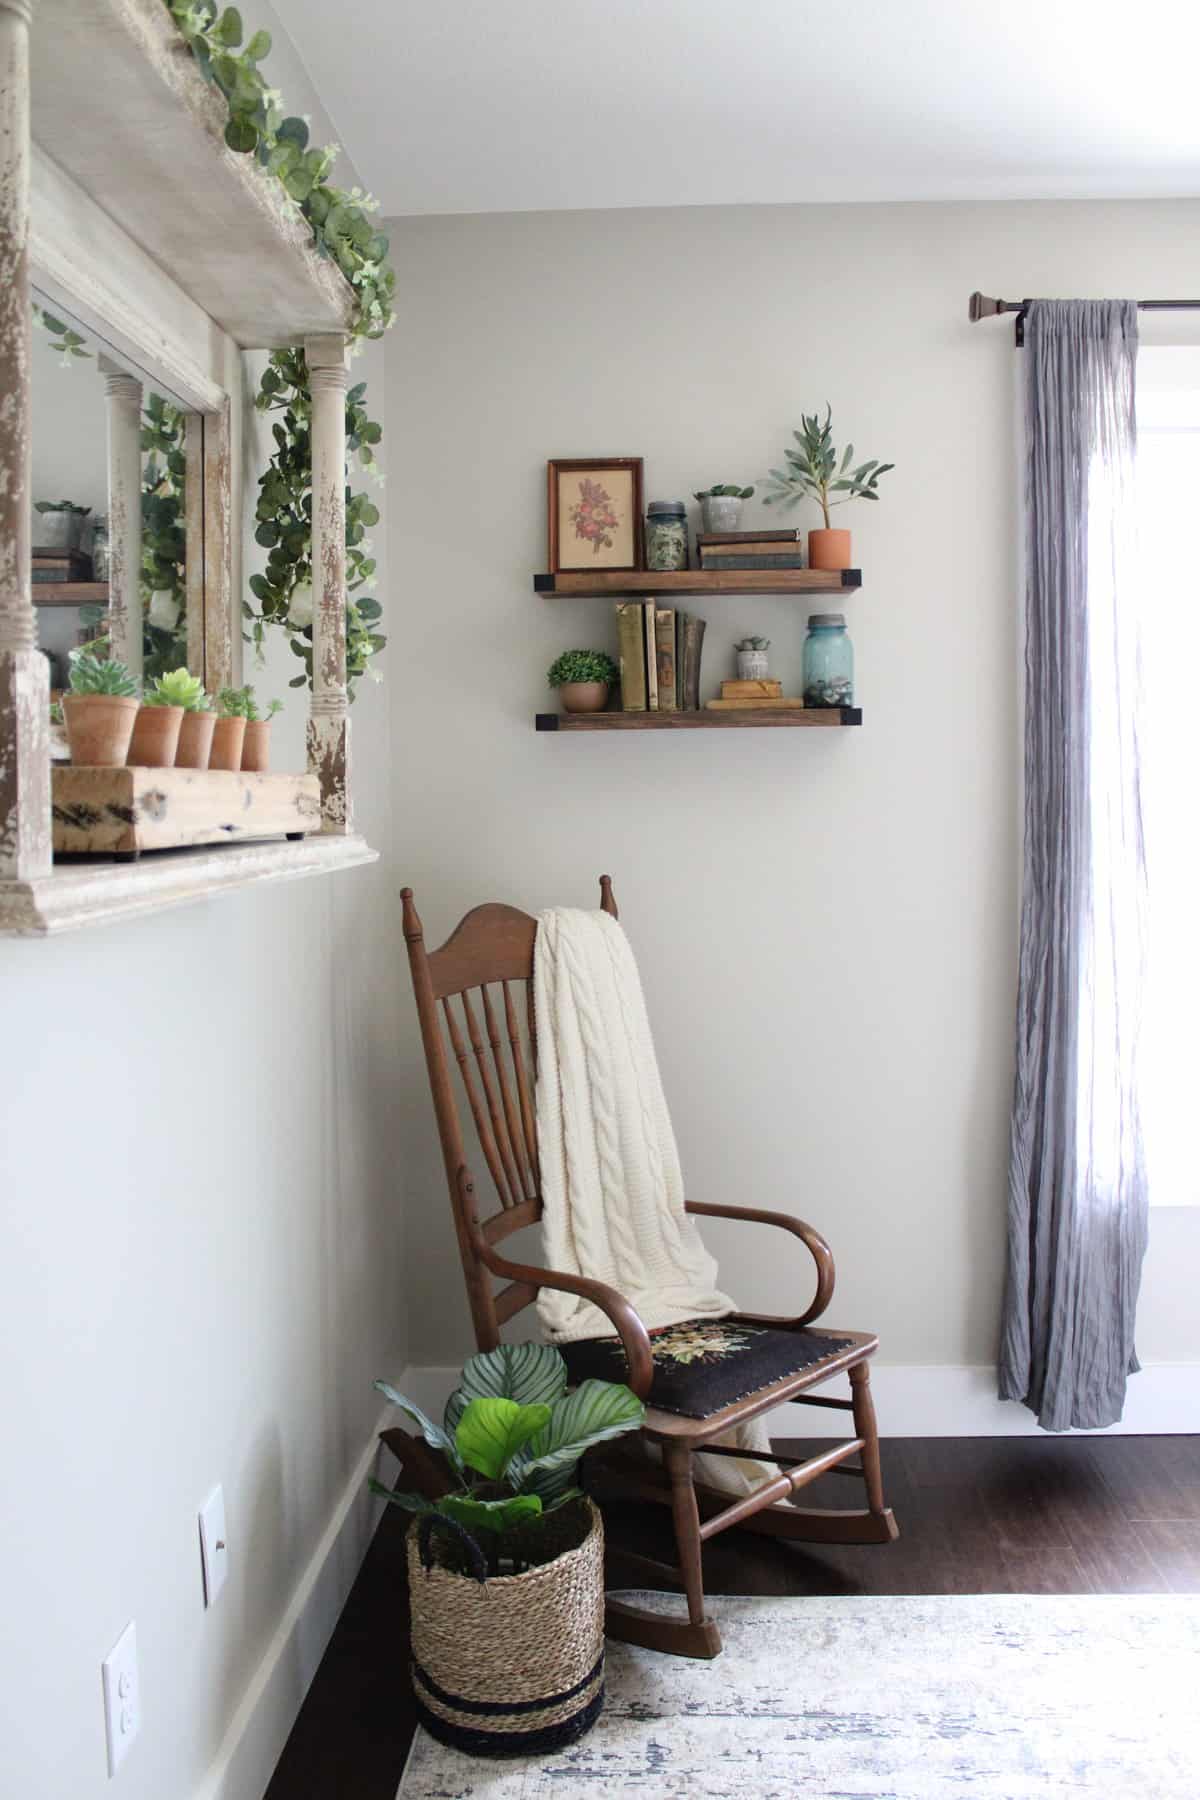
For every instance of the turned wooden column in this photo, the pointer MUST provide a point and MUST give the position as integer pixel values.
(124, 515)
(24, 671)
(328, 725)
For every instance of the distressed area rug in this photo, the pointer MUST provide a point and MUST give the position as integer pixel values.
(974, 1697)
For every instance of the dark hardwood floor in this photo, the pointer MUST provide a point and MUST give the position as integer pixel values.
(977, 1516)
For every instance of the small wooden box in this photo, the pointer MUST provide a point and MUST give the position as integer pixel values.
(121, 812)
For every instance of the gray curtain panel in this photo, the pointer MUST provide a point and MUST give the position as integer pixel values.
(1077, 1181)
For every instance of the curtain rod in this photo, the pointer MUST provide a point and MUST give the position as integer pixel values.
(982, 306)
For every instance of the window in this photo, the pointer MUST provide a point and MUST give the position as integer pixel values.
(1169, 498)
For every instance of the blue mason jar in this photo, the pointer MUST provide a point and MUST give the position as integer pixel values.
(828, 661)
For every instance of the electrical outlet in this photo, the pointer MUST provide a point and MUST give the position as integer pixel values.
(122, 1697)
(214, 1551)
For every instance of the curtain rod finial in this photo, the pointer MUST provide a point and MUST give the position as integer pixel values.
(982, 306)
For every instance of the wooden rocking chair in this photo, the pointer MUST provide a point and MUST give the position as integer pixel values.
(492, 948)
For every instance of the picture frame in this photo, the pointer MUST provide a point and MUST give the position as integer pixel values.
(595, 513)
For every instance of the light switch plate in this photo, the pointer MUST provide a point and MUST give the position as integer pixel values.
(214, 1550)
(122, 1697)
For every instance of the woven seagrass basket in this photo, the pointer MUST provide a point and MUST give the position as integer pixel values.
(513, 1665)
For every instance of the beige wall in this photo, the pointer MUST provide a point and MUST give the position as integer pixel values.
(200, 1274)
(825, 923)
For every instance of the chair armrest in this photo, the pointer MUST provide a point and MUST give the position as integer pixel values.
(628, 1326)
(822, 1255)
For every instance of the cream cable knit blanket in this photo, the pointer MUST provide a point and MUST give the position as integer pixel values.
(612, 1189)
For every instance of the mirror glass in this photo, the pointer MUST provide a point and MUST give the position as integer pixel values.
(70, 497)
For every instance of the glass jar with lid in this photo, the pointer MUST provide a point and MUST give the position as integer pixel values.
(666, 535)
(828, 661)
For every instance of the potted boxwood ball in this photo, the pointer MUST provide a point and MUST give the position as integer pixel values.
(99, 710)
(506, 1553)
(583, 679)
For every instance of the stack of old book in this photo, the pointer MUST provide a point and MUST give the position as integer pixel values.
(750, 549)
(61, 566)
(755, 696)
(660, 649)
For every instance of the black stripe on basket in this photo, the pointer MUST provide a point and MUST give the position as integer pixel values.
(505, 1708)
(512, 1743)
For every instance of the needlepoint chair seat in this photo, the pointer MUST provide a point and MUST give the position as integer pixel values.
(702, 1366)
(700, 1379)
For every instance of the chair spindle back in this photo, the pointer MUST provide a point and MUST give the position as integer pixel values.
(474, 1000)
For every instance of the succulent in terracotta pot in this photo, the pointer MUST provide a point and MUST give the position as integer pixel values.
(256, 747)
(99, 710)
(583, 679)
(165, 705)
(198, 724)
(229, 733)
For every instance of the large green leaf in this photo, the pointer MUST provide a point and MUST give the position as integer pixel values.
(490, 1515)
(434, 1436)
(531, 1374)
(492, 1430)
(596, 1410)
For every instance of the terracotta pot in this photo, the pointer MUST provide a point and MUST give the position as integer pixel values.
(195, 740)
(228, 736)
(99, 727)
(155, 737)
(256, 749)
(584, 696)
(829, 550)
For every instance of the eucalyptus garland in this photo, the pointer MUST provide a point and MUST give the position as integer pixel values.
(284, 514)
(342, 229)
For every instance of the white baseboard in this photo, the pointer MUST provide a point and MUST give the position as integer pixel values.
(267, 1710)
(938, 1400)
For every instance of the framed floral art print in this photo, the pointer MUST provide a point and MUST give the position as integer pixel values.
(595, 509)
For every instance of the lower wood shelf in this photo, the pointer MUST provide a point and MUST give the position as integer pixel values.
(739, 720)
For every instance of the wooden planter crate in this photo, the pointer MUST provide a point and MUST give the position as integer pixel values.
(121, 812)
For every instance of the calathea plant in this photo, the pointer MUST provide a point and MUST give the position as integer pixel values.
(511, 1442)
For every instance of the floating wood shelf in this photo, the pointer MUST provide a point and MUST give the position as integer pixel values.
(699, 721)
(70, 593)
(698, 581)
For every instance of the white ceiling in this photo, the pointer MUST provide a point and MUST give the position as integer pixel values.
(520, 105)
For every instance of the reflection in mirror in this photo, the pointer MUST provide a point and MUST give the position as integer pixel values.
(77, 391)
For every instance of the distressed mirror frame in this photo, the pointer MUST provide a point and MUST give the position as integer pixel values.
(81, 211)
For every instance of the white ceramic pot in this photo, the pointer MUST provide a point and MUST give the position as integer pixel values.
(57, 530)
(752, 665)
(721, 512)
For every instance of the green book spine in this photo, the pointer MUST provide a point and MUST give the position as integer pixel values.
(664, 638)
(631, 647)
(786, 560)
(693, 650)
(681, 619)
